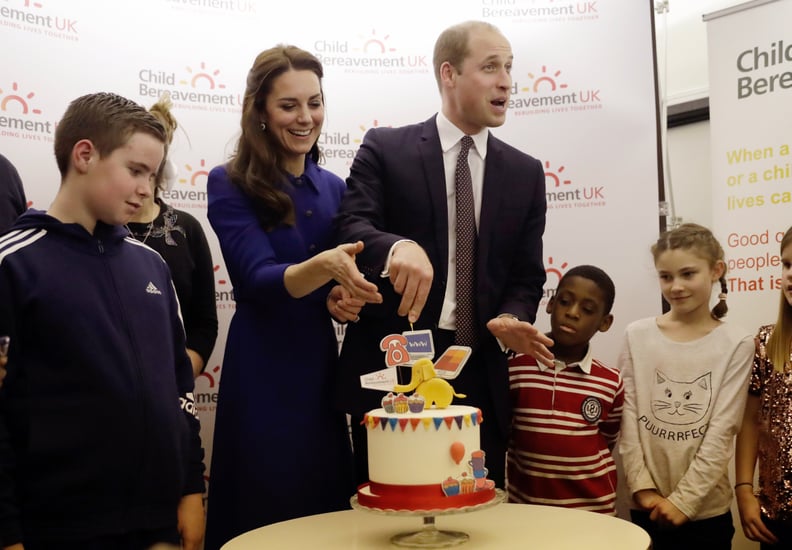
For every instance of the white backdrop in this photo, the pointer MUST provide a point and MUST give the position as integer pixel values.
(750, 92)
(750, 45)
(583, 102)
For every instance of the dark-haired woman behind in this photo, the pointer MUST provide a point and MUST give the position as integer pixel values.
(180, 240)
(280, 450)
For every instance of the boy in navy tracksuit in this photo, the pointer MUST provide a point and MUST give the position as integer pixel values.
(99, 444)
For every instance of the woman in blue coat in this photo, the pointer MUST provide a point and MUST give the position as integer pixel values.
(280, 450)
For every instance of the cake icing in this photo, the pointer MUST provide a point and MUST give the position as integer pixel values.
(424, 460)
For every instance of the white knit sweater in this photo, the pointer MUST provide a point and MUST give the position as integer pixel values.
(683, 405)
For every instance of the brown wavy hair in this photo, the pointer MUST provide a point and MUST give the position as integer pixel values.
(256, 166)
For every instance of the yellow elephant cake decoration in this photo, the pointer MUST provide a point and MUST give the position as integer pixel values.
(425, 382)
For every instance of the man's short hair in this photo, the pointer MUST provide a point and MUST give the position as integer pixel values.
(599, 278)
(108, 120)
(452, 45)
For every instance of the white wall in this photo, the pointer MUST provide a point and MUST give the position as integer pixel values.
(688, 180)
(682, 47)
(681, 39)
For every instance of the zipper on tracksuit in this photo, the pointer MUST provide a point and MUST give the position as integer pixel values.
(141, 396)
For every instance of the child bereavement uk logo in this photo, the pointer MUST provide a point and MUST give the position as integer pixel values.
(34, 17)
(548, 93)
(189, 191)
(339, 147)
(195, 86)
(20, 117)
(370, 52)
(554, 273)
(540, 11)
(206, 389)
(224, 292)
(563, 192)
(233, 7)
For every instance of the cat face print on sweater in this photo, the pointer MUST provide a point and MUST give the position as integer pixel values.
(681, 403)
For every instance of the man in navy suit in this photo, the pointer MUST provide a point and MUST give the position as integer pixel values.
(401, 203)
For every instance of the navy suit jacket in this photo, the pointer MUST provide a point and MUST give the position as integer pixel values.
(396, 190)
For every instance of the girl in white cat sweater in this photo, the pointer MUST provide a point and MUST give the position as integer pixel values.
(685, 381)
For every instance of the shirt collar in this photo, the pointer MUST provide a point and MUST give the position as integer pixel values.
(450, 136)
(584, 364)
(309, 177)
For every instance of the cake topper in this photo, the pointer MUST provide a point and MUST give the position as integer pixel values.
(435, 391)
(406, 349)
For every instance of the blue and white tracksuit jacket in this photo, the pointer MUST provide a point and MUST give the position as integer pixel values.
(98, 434)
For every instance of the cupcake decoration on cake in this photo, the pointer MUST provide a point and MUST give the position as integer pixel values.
(451, 487)
(416, 403)
(465, 484)
(387, 403)
(400, 404)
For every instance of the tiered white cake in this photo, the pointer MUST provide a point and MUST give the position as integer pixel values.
(424, 460)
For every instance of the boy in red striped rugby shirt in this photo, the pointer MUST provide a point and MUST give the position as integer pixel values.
(566, 418)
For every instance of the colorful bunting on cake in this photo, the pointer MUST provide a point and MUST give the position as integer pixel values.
(372, 422)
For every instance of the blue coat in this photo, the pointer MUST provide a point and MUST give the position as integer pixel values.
(280, 450)
(97, 430)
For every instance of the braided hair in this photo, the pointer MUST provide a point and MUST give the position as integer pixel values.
(699, 240)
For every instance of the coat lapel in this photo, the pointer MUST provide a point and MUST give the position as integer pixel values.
(434, 176)
(493, 193)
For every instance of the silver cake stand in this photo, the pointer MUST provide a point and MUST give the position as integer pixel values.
(429, 536)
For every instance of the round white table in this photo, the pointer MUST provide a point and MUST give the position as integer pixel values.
(501, 526)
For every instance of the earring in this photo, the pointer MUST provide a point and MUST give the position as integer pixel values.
(263, 126)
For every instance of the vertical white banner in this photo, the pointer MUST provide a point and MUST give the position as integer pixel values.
(750, 74)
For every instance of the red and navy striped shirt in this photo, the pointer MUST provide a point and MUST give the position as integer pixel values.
(566, 421)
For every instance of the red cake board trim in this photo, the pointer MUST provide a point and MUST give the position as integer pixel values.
(417, 497)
